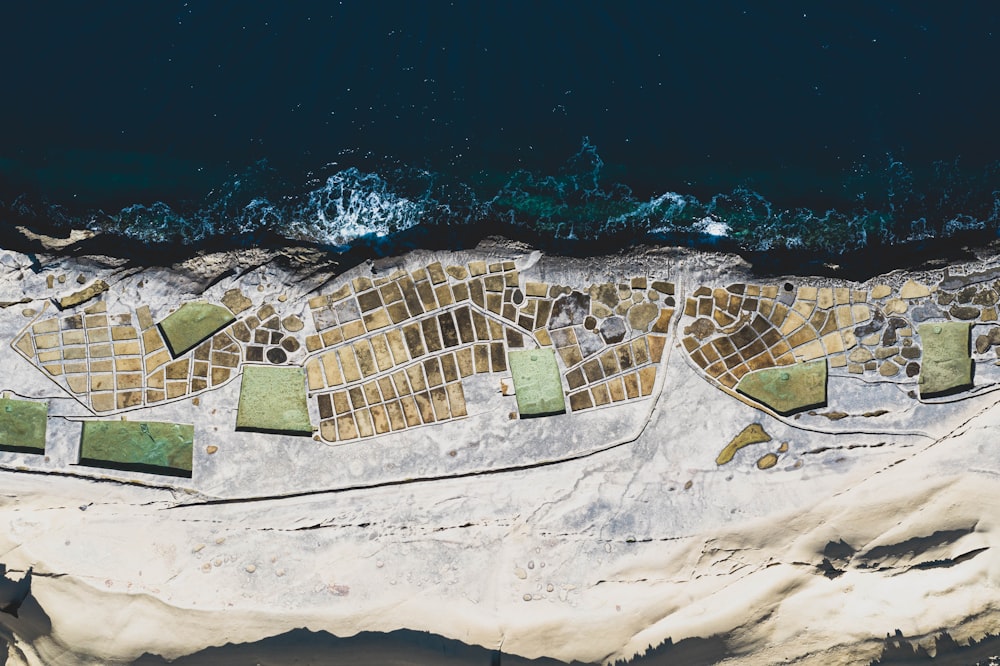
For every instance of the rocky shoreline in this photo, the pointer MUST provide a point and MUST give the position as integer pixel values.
(769, 468)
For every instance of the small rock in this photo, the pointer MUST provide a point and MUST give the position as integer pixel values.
(605, 294)
(50, 281)
(912, 369)
(888, 369)
(966, 295)
(282, 298)
(600, 310)
(613, 330)
(925, 312)
(198, 548)
(641, 315)
(895, 306)
(292, 323)
(84, 295)
(881, 291)
(983, 344)
(910, 352)
(985, 297)
(859, 355)
(236, 301)
(520, 573)
(964, 312)
(652, 295)
(665, 288)
(81, 279)
(569, 310)
(260, 287)
(526, 597)
(251, 568)
(886, 352)
(29, 312)
(211, 448)
(767, 461)
(62, 279)
(913, 289)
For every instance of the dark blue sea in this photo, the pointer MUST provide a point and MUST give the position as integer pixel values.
(767, 127)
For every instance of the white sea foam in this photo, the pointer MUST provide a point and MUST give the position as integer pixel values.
(352, 204)
(712, 226)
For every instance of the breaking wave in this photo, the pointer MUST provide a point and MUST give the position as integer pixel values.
(880, 204)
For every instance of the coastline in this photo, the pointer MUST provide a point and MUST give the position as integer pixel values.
(642, 536)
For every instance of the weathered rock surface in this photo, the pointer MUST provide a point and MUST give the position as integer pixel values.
(585, 536)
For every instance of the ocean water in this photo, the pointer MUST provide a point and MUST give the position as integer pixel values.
(761, 127)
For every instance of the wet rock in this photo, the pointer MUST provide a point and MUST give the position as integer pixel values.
(641, 315)
(964, 312)
(888, 369)
(874, 325)
(276, 355)
(701, 328)
(663, 287)
(945, 298)
(913, 289)
(985, 297)
(236, 301)
(84, 295)
(966, 295)
(912, 369)
(590, 342)
(983, 344)
(895, 306)
(925, 312)
(292, 323)
(613, 330)
(910, 352)
(569, 310)
(607, 294)
(600, 310)
(859, 355)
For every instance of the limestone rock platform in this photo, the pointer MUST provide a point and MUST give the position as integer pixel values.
(545, 457)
